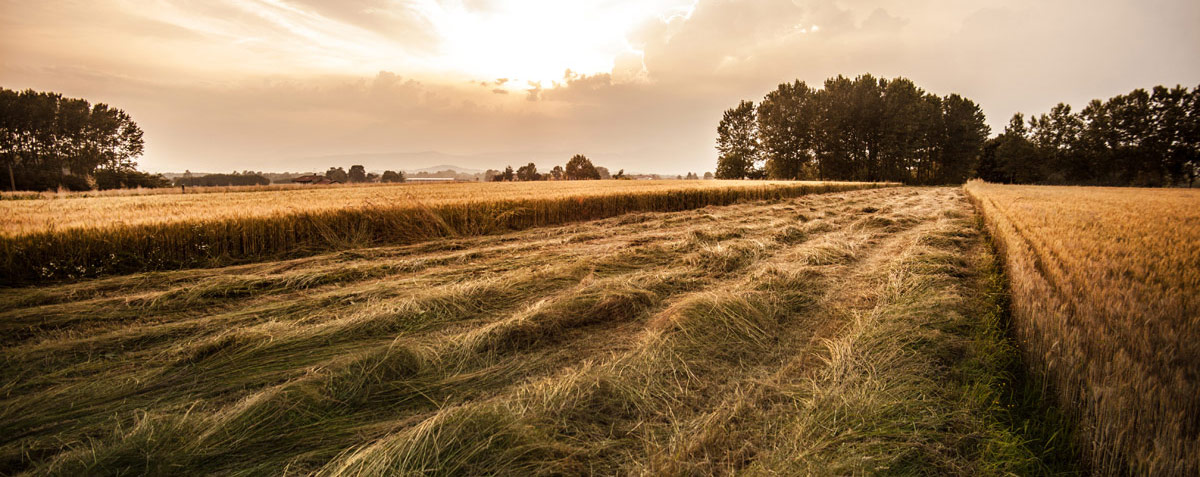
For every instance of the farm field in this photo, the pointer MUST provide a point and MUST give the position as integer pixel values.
(842, 333)
(1106, 302)
(122, 234)
(39, 215)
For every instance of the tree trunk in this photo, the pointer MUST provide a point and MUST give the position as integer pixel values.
(12, 182)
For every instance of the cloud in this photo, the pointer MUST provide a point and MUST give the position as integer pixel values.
(227, 84)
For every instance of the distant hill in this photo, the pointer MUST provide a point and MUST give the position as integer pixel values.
(445, 167)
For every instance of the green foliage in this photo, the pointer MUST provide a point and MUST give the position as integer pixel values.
(865, 129)
(737, 142)
(392, 176)
(1140, 139)
(128, 178)
(48, 141)
(528, 172)
(581, 168)
(234, 179)
(337, 174)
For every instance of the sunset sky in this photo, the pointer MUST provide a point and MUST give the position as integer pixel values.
(298, 85)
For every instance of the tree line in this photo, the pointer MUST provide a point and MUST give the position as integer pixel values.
(1136, 139)
(48, 141)
(579, 167)
(861, 129)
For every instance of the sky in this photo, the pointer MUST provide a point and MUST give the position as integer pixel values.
(301, 85)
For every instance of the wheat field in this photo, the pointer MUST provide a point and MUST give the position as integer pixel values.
(1106, 301)
(71, 238)
(853, 332)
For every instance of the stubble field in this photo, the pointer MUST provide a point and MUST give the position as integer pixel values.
(841, 333)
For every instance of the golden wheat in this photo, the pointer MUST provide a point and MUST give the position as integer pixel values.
(1106, 299)
(55, 213)
(78, 237)
(826, 334)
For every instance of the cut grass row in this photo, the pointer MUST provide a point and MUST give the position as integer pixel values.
(834, 333)
(1105, 299)
(209, 234)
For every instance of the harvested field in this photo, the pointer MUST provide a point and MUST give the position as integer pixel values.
(844, 333)
(54, 239)
(1106, 300)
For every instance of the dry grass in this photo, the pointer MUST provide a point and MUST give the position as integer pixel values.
(122, 234)
(736, 339)
(1106, 300)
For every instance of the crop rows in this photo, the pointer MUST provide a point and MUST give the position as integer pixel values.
(83, 237)
(836, 333)
(1106, 299)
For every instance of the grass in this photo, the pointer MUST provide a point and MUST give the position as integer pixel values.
(1104, 299)
(720, 340)
(125, 234)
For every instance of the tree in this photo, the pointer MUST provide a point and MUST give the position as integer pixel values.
(357, 174)
(787, 119)
(48, 141)
(1057, 137)
(1140, 138)
(1016, 155)
(557, 172)
(603, 172)
(337, 175)
(224, 180)
(691, 176)
(708, 176)
(866, 128)
(528, 172)
(508, 174)
(965, 133)
(392, 177)
(737, 142)
(620, 174)
(581, 168)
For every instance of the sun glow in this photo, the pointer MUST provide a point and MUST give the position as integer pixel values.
(537, 41)
(525, 41)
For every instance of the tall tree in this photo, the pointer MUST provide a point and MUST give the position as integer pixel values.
(49, 141)
(787, 119)
(1016, 154)
(337, 174)
(966, 131)
(392, 176)
(528, 172)
(580, 168)
(357, 173)
(737, 142)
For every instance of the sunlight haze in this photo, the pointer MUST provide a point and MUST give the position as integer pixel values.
(284, 85)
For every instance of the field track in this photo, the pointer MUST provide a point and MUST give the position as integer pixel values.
(837, 333)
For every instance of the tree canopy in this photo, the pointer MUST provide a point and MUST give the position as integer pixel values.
(580, 168)
(862, 129)
(49, 141)
(1139, 139)
(234, 179)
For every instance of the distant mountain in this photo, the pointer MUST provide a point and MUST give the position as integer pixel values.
(445, 167)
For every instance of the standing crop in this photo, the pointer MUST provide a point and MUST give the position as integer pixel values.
(1106, 301)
